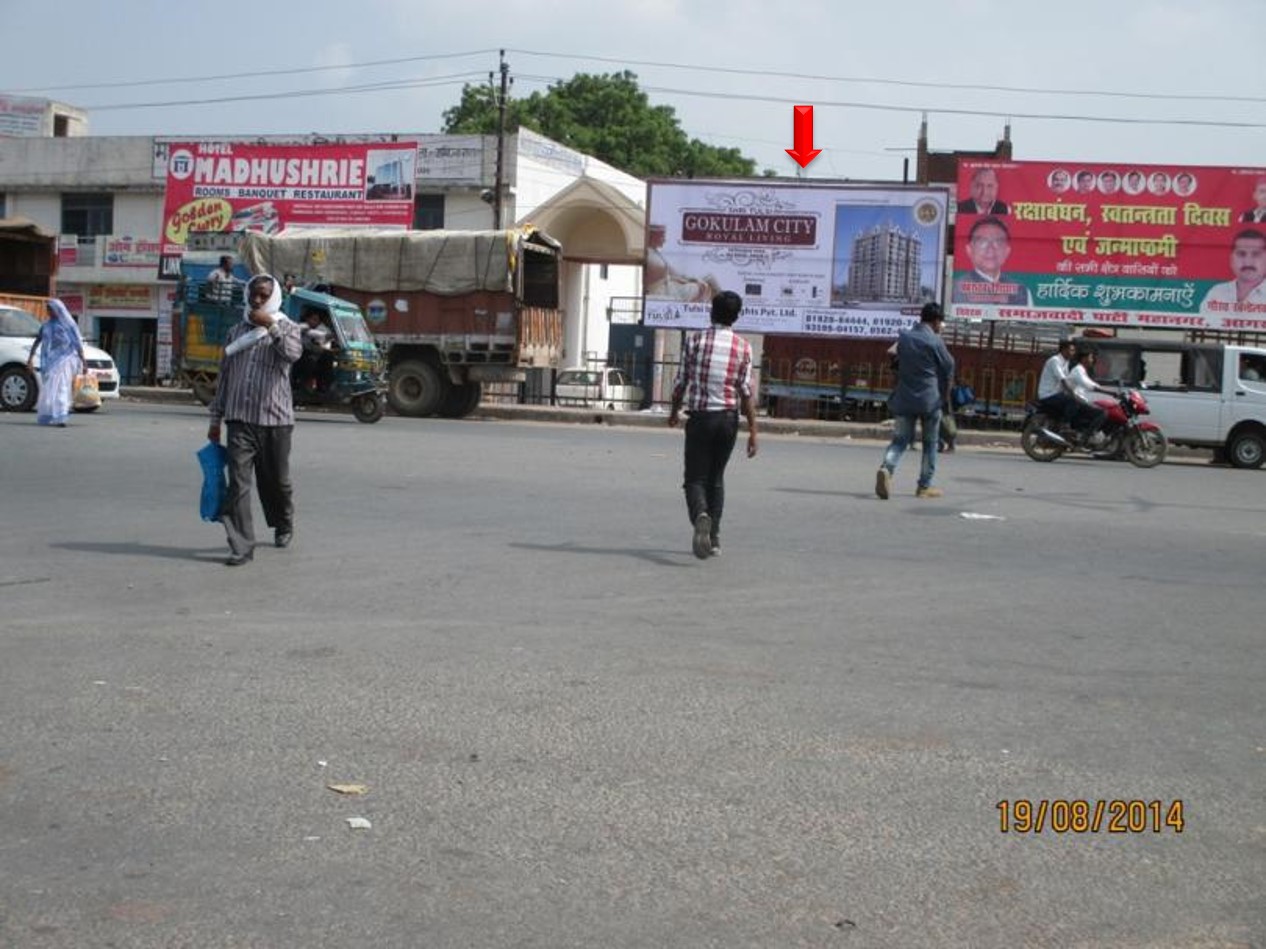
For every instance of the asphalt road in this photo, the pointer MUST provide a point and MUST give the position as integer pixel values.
(574, 734)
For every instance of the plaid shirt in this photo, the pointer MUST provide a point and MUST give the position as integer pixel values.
(254, 384)
(715, 370)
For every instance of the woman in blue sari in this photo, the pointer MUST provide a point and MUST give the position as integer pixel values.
(61, 358)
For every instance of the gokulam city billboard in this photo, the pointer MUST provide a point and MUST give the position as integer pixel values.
(229, 186)
(807, 259)
(1111, 244)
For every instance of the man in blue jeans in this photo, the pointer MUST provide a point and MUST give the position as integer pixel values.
(924, 370)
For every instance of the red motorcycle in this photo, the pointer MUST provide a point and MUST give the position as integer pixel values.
(1123, 434)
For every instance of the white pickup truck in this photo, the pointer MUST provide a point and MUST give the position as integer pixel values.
(1206, 395)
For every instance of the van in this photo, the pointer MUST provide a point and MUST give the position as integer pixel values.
(1204, 395)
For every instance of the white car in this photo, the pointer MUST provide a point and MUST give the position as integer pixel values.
(19, 387)
(597, 388)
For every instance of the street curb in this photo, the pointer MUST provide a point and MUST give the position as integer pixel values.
(543, 413)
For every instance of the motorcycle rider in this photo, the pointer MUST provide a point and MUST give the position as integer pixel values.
(1087, 417)
(1052, 395)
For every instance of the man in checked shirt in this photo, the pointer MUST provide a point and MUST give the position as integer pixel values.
(253, 395)
(714, 381)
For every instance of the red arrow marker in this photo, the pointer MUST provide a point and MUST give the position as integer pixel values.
(804, 152)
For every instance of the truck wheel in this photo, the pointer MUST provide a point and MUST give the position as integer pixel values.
(18, 390)
(1247, 449)
(368, 408)
(461, 400)
(204, 389)
(416, 388)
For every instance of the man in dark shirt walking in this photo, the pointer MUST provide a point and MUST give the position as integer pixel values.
(714, 381)
(924, 370)
(253, 396)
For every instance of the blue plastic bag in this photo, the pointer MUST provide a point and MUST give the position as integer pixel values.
(962, 395)
(215, 479)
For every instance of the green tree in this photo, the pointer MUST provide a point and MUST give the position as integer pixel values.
(608, 117)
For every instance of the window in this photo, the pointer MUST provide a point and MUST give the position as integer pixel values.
(87, 215)
(428, 212)
(1252, 369)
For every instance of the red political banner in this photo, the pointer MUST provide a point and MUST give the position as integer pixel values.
(229, 186)
(1111, 244)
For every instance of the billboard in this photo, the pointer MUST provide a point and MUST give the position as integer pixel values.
(1160, 246)
(20, 116)
(807, 259)
(233, 186)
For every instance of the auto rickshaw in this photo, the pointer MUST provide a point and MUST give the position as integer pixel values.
(351, 370)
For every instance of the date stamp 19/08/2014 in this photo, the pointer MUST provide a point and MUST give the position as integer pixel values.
(1075, 816)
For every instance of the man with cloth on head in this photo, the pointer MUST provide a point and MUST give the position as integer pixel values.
(253, 396)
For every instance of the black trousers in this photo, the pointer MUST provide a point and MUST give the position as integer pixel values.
(710, 438)
(1059, 405)
(257, 452)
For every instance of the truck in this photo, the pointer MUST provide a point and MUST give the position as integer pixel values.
(453, 310)
(1202, 394)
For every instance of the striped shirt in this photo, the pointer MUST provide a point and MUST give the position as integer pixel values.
(715, 371)
(254, 383)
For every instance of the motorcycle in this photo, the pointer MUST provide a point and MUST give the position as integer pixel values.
(1123, 434)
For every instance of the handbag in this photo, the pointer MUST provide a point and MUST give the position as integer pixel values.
(85, 393)
(214, 460)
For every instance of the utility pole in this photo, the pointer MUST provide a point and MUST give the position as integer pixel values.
(499, 185)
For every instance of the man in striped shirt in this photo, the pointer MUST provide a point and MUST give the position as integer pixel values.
(253, 396)
(714, 381)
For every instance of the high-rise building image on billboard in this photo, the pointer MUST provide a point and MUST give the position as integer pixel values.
(885, 266)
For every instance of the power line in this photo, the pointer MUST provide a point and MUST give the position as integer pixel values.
(910, 83)
(935, 110)
(253, 74)
(874, 80)
(387, 86)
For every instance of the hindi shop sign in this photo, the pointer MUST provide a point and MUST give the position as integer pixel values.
(1159, 246)
(807, 259)
(227, 186)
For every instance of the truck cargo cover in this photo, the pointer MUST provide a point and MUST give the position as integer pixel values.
(442, 262)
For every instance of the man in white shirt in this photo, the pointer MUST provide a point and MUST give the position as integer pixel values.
(220, 281)
(1087, 417)
(1053, 397)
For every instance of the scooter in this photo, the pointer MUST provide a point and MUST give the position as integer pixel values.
(1123, 433)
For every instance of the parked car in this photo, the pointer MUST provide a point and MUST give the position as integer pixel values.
(596, 388)
(19, 387)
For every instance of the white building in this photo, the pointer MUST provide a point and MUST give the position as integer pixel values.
(104, 197)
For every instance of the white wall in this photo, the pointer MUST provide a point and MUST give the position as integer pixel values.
(138, 215)
(43, 208)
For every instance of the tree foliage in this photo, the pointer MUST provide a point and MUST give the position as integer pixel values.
(608, 117)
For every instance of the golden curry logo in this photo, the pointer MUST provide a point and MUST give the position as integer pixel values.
(204, 214)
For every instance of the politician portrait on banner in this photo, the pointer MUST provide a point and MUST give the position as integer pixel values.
(1131, 245)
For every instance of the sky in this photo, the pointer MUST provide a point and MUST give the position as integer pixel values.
(732, 71)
